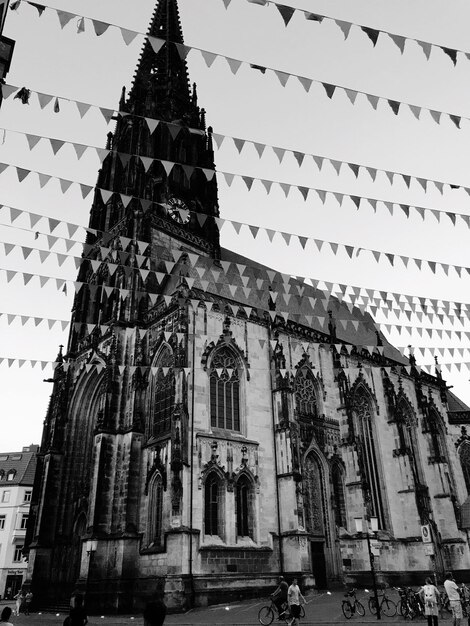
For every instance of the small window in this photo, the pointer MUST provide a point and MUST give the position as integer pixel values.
(212, 511)
(27, 496)
(24, 521)
(6, 496)
(2, 474)
(18, 554)
(11, 475)
(2, 521)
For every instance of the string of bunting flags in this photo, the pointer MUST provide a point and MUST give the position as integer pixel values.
(266, 184)
(51, 323)
(219, 139)
(286, 12)
(340, 291)
(261, 286)
(235, 64)
(155, 370)
(287, 237)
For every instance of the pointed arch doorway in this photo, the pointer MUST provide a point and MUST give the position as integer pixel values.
(316, 518)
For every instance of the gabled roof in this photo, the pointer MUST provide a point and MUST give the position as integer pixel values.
(23, 464)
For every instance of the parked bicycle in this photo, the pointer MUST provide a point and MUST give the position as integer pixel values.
(386, 605)
(267, 613)
(352, 605)
(407, 605)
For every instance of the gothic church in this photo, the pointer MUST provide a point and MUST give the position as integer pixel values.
(212, 425)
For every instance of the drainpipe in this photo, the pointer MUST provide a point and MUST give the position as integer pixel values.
(191, 578)
(281, 554)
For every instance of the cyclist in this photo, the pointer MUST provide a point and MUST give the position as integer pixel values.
(429, 595)
(279, 597)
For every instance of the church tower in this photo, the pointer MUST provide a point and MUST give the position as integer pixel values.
(115, 441)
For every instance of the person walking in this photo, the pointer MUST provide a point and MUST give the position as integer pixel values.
(429, 595)
(27, 602)
(452, 591)
(294, 598)
(279, 596)
(78, 616)
(20, 596)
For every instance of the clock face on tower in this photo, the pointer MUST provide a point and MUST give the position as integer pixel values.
(178, 211)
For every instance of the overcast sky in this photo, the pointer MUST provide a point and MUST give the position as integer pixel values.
(253, 106)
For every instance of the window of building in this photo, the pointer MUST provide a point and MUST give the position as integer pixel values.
(243, 503)
(338, 495)
(367, 455)
(464, 454)
(24, 521)
(314, 497)
(304, 391)
(155, 510)
(225, 391)
(213, 505)
(27, 495)
(2, 474)
(164, 393)
(6, 496)
(436, 443)
(2, 521)
(18, 554)
(11, 475)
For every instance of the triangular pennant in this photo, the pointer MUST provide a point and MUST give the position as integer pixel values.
(128, 35)
(100, 27)
(371, 33)
(345, 27)
(286, 13)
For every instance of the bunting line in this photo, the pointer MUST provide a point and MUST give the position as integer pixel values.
(352, 251)
(286, 12)
(155, 370)
(64, 324)
(306, 82)
(339, 292)
(209, 173)
(238, 142)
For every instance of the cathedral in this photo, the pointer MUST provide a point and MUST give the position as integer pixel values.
(214, 422)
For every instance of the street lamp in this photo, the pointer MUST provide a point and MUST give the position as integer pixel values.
(374, 527)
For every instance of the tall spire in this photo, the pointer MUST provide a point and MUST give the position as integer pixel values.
(161, 83)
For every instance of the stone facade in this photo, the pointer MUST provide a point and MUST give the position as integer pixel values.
(215, 423)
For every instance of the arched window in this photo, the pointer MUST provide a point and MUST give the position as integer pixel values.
(213, 506)
(366, 453)
(407, 440)
(244, 507)
(338, 495)
(314, 497)
(225, 391)
(164, 394)
(464, 454)
(436, 443)
(155, 510)
(304, 390)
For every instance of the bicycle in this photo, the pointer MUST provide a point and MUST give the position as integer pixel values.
(387, 606)
(406, 605)
(350, 607)
(267, 613)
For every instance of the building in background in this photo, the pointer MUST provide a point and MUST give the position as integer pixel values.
(215, 423)
(17, 471)
(6, 45)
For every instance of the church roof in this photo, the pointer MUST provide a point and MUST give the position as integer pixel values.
(23, 464)
(251, 288)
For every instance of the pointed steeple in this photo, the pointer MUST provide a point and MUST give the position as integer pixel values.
(161, 81)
